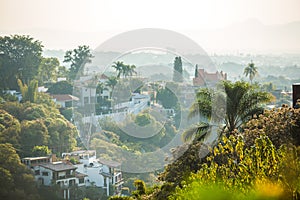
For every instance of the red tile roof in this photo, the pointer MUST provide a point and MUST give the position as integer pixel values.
(64, 97)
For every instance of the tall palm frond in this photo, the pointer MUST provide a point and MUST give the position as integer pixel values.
(119, 67)
(197, 131)
(251, 71)
(240, 101)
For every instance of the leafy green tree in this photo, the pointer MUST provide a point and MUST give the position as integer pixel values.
(251, 71)
(94, 193)
(41, 124)
(62, 134)
(48, 70)
(77, 59)
(167, 96)
(16, 181)
(177, 77)
(62, 72)
(184, 160)
(143, 119)
(33, 133)
(67, 113)
(46, 101)
(20, 59)
(29, 93)
(61, 87)
(9, 129)
(140, 187)
(41, 151)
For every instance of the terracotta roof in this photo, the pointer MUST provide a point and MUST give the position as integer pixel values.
(58, 166)
(109, 163)
(103, 76)
(64, 97)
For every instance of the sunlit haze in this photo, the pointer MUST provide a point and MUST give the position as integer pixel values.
(69, 23)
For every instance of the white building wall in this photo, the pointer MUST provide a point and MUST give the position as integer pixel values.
(93, 173)
(47, 179)
(86, 160)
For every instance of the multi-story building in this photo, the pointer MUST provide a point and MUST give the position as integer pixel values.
(100, 173)
(49, 173)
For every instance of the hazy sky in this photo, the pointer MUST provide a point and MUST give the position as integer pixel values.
(112, 17)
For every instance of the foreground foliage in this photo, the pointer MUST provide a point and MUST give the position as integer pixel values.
(259, 172)
(261, 161)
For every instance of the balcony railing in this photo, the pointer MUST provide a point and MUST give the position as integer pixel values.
(64, 177)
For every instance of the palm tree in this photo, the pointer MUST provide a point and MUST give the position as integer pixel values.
(99, 88)
(240, 101)
(112, 82)
(119, 67)
(129, 70)
(125, 70)
(251, 71)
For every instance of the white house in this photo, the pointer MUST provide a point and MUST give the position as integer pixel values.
(60, 173)
(64, 100)
(101, 173)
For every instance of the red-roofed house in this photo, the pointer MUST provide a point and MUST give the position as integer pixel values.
(64, 100)
(204, 78)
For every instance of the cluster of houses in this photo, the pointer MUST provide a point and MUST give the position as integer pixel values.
(86, 170)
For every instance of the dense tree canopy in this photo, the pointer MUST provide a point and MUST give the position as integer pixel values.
(33, 125)
(61, 87)
(33, 133)
(167, 95)
(48, 70)
(9, 129)
(78, 58)
(16, 181)
(20, 57)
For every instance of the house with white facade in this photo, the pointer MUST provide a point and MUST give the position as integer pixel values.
(65, 100)
(100, 173)
(49, 173)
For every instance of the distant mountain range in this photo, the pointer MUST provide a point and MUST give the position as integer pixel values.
(247, 36)
(253, 36)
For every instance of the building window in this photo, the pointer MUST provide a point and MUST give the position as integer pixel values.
(37, 172)
(45, 173)
(81, 180)
(86, 100)
(68, 104)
